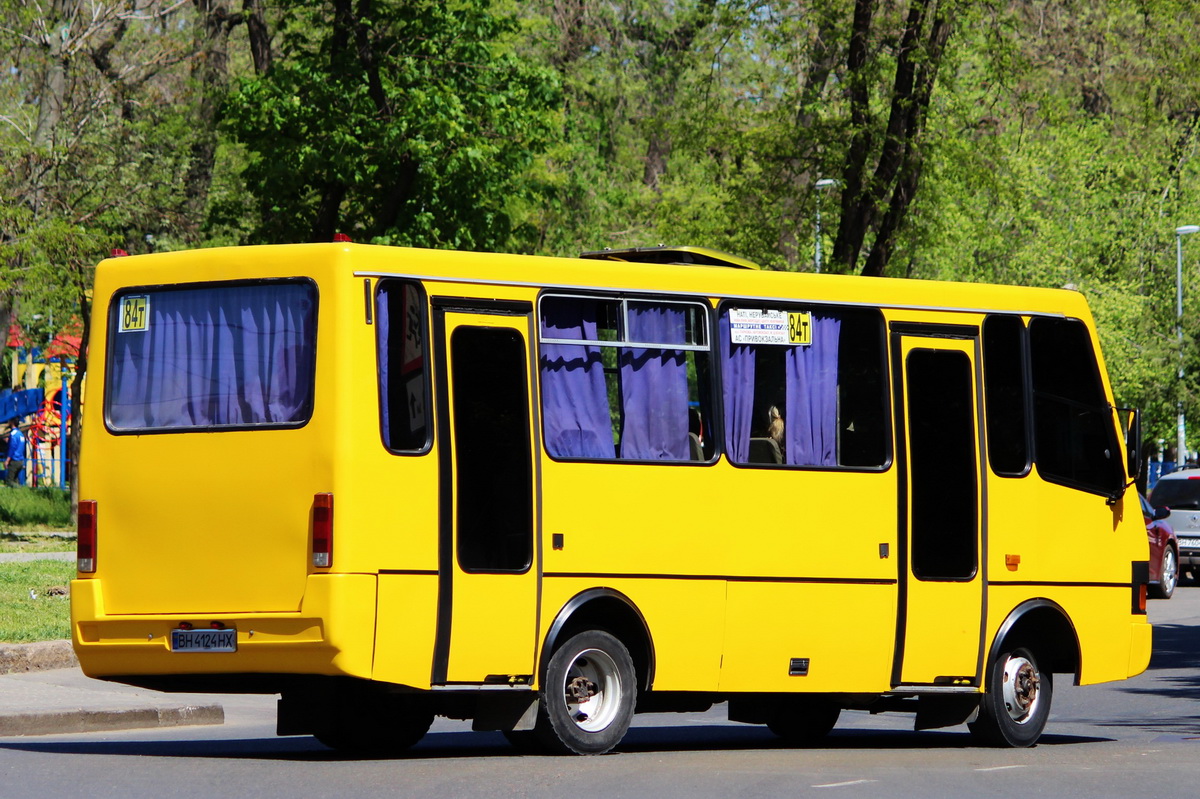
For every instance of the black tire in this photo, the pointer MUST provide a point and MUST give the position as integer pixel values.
(804, 720)
(588, 695)
(1168, 575)
(1016, 703)
(382, 726)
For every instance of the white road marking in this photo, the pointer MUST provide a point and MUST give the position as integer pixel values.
(844, 784)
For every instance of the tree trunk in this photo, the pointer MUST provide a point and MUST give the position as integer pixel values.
(75, 429)
(670, 48)
(893, 183)
(210, 71)
(260, 38)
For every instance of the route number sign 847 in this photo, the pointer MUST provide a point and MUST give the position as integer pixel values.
(135, 313)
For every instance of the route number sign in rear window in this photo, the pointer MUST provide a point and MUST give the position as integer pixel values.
(135, 313)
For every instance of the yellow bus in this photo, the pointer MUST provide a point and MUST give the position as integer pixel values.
(543, 493)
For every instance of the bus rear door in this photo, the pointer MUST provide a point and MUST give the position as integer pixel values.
(488, 569)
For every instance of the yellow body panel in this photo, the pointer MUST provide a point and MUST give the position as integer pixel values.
(686, 617)
(736, 572)
(406, 627)
(845, 632)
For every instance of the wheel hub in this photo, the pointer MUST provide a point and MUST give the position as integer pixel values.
(1022, 684)
(580, 689)
(592, 690)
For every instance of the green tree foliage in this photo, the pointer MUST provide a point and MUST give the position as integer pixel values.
(1063, 156)
(394, 122)
(92, 112)
(1037, 142)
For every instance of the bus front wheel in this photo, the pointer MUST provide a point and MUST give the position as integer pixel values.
(1016, 702)
(588, 695)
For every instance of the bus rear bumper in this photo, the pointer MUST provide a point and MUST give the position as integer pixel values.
(331, 634)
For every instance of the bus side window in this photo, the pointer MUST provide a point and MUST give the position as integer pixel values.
(1004, 385)
(625, 378)
(1075, 441)
(808, 380)
(401, 341)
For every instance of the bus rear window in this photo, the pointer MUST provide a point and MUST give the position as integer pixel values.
(230, 355)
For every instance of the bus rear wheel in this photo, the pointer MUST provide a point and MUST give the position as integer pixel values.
(384, 726)
(1016, 703)
(588, 695)
(804, 721)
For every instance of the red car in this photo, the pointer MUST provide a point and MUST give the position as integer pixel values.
(1164, 551)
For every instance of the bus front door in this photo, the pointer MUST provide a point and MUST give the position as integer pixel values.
(940, 613)
(488, 570)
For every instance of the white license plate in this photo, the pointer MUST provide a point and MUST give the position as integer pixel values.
(204, 640)
(1190, 543)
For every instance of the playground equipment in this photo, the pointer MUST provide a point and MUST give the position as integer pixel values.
(43, 407)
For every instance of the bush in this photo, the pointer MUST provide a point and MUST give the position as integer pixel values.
(30, 508)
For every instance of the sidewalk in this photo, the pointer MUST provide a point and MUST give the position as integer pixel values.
(56, 701)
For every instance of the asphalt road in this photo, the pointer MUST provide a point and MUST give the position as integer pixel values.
(1137, 738)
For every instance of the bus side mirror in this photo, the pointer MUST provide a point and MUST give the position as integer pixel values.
(1133, 441)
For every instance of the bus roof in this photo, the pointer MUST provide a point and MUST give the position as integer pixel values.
(697, 279)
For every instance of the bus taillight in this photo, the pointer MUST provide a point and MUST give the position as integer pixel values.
(85, 538)
(322, 530)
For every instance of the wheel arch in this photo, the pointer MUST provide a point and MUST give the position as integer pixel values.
(609, 610)
(1042, 626)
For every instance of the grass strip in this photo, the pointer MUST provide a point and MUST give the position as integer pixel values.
(23, 508)
(34, 600)
(35, 542)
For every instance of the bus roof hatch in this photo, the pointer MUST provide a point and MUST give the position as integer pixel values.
(663, 254)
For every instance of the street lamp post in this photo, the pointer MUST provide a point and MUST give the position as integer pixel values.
(823, 183)
(1180, 437)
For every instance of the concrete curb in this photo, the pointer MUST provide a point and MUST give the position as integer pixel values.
(81, 720)
(68, 702)
(19, 658)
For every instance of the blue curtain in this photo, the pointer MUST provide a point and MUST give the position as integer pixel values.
(810, 418)
(383, 346)
(654, 388)
(574, 398)
(230, 355)
(737, 384)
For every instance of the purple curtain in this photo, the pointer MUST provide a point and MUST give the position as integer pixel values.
(574, 397)
(810, 418)
(654, 388)
(737, 382)
(233, 355)
(383, 326)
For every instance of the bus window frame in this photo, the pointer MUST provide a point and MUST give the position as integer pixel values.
(110, 341)
(885, 398)
(427, 382)
(622, 298)
(1026, 392)
(1115, 440)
